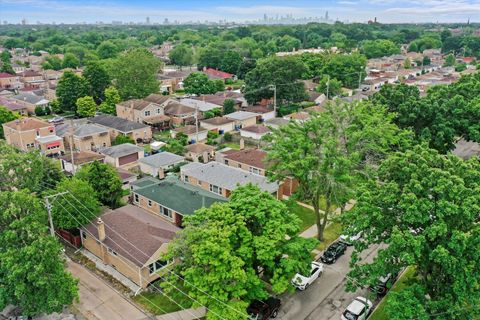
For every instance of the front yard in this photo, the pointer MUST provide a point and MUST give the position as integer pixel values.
(158, 303)
(331, 233)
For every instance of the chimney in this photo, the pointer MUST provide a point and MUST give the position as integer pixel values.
(242, 144)
(101, 229)
(205, 157)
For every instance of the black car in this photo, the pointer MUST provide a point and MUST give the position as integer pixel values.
(384, 284)
(334, 251)
(263, 310)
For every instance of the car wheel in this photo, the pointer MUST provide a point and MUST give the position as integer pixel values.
(334, 260)
(306, 286)
(274, 313)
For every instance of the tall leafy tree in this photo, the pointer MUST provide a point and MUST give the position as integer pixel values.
(86, 107)
(71, 87)
(425, 206)
(198, 83)
(32, 272)
(231, 62)
(330, 152)
(135, 73)
(70, 61)
(6, 116)
(181, 55)
(112, 97)
(228, 106)
(107, 49)
(379, 48)
(226, 247)
(105, 182)
(98, 80)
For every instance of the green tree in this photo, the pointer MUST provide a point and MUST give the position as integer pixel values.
(6, 116)
(332, 86)
(105, 182)
(98, 80)
(71, 87)
(52, 63)
(76, 208)
(330, 152)
(32, 272)
(107, 49)
(283, 72)
(135, 73)
(121, 139)
(175, 146)
(245, 66)
(407, 63)
(198, 83)
(426, 61)
(425, 206)
(86, 107)
(231, 62)
(449, 61)
(379, 48)
(228, 106)
(70, 61)
(227, 247)
(181, 55)
(112, 97)
(7, 68)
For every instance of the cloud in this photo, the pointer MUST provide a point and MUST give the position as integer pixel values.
(438, 7)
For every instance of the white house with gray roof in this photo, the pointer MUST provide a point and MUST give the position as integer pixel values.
(157, 164)
(30, 100)
(222, 179)
(242, 119)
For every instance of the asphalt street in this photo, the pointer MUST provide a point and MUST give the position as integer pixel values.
(326, 298)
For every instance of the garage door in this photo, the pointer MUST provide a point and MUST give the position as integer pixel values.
(128, 159)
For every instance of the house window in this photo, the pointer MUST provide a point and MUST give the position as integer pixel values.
(149, 203)
(113, 253)
(135, 198)
(157, 265)
(166, 212)
(254, 170)
(84, 235)
(239, 165)
(147, 113)
(158, 110)
(185, 178)
(38, 133)
(226, 162)
(215, 189)
(199, 182)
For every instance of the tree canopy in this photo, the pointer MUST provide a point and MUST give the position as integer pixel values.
(6, 116)
(86, 107)
(71, 87)
(98, 80)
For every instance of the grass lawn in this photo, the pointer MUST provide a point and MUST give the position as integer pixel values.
(158, 303)
(306, 215)
(162, 135)
(404, 281)
(330, 234)
(232, 145)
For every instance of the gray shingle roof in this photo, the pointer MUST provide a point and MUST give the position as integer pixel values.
(89, 129)
(162, 159)
(241, 115)
(30, 97)
(119, 124)
(120, 150)
(226, 177)
(179, 196)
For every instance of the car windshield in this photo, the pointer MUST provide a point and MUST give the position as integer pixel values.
(349, 315)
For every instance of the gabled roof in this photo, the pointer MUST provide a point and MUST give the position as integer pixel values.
(27, 124)
(179, 196)
(256, 128)
(177, 108)
(199, 148)
(80, 157)
(251, 157)
(156, 98)
(136, 104)
(120, 150)
(217, 121)
(30, 97)
(226, 177)
(217, 74)
(119, 124)
(89, 129)
(134, 233)
(4, 75)
(258, 109)
(162, 159)
(202, 106)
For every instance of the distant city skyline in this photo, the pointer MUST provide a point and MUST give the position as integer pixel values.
(160, 12)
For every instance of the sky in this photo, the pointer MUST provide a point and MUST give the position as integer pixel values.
(386, 11)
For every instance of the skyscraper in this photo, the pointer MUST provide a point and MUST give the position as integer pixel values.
(148, 20)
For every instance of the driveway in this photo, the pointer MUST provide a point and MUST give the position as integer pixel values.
(98, 301)
(326, 298)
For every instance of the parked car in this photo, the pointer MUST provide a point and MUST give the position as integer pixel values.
(263, 310)
(333, 252)
(384, 284)
(56, 120)
(358, 309)
(302, 282)
(349, 240)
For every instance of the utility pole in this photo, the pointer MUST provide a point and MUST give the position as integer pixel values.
(359, 79)
(196, 122)
(328, 85)
(274, 88)
(48, 205)
(71, 147)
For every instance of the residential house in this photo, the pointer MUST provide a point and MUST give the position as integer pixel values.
(126, 177)
(138, 132)
(52, 75)
(132, 243)
(172, 199)
(32, 78)
(255, 132)
(221, 179)
(250, 160)
(30, 133)
(191, 132)
(179, 113)
(218, 124)
(316, 97)
(13, 105)
(219, 98)
(200, 152)
(89, 136)
(171, 81)
(31, 101)
(276, 123)
(9, 81)
(214, 74)
(201, 106)
(299, 117)
(122, 154)
(466, 149)
(243, 119)
(18, 68)
(263, 113)
(156, 165)
(149, 110)
(80, 158)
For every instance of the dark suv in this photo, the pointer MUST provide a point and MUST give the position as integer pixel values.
(384, 284)
(334, 251)
(263, 310)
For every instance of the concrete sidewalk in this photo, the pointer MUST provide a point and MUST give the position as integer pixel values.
(187, 314)
(312, 231)
(99, 301)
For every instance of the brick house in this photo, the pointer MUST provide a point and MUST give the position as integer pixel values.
(133, 242)
(179, 113)
(86, 137)
(171, 199)
(200, 152)
(156, 165)
(222, 179)
(30, 101)
(122, 154)
(255, 132)
(242, 119)
(30, 133)
(250, 160)
(214, 74)
(191, 132)
(138, 132)
(80, 158)
(9, 81)
(149, 110)
(218, 124)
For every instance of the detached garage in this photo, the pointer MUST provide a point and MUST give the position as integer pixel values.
(122, 155)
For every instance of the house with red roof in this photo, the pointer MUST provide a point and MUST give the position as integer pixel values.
(214, 74)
